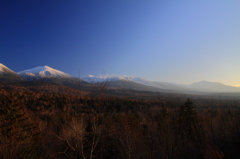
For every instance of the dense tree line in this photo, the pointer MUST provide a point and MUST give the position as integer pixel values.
(43, 125)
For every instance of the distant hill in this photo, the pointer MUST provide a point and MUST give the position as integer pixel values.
(213, 87)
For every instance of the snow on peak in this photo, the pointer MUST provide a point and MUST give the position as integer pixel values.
(101, 78)
(94, 79)
(90, 75)
(5, 69)
(43, 72)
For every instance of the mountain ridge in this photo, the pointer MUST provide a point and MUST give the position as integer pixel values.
(213, 86)
(46, 73)
(201, 86)
(5, 69)
(8, 74)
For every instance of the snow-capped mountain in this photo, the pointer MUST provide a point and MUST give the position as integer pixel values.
(124, 82)
(7, 74)
(42, 72)
(99, 79)
(5, 70)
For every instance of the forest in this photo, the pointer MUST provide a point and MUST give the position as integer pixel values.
(39, 125)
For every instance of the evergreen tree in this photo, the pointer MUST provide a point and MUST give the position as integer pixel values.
(17, 132)
(188, 117)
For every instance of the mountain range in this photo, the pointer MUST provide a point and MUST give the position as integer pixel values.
(48, 74)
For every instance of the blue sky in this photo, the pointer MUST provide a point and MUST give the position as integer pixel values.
(171, 41)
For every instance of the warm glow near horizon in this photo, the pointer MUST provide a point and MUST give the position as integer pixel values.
(237, 85)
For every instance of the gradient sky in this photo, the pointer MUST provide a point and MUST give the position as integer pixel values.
(159, 40)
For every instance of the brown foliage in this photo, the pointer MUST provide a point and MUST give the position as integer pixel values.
(45, 125)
